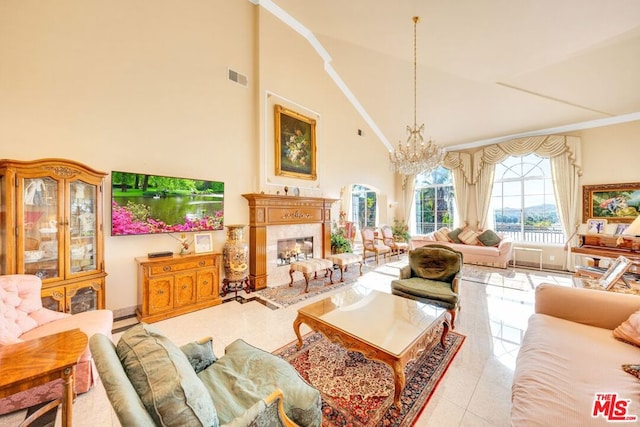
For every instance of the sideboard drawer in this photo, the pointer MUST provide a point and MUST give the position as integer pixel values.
(155, 270)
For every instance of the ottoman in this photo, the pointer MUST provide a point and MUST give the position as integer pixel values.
(308, 266)
(345, 259)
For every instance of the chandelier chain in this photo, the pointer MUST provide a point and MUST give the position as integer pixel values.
(415, 156)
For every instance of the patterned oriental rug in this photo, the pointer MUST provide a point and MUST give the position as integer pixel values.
(284, 295)
(357, 391)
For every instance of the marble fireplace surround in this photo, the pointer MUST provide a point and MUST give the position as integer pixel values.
(273, 217)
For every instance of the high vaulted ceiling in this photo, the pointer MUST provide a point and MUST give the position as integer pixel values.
(486, 68)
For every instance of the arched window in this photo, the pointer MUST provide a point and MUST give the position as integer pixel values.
(433, 202)
(364, 206)
(523, 202)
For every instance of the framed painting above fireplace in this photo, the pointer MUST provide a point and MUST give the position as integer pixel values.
(295, 144)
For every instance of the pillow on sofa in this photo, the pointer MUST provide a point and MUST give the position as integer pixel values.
(453, 235)
(441, 234)
(469, 237)
(629, 330)
(164, 379)
(200, 354)
(489, 238)
(632, 369)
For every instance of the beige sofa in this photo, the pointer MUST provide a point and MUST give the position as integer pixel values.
(493, 256)
(569, 354)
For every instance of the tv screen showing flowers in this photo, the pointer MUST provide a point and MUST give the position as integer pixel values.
(148, 204)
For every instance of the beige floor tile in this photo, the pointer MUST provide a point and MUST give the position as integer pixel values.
(475, 391)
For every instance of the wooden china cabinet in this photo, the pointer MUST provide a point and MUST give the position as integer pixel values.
(51, 226)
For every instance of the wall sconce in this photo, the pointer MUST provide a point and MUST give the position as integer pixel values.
(393, 204)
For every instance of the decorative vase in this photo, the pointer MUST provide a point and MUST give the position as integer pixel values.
(235, 254)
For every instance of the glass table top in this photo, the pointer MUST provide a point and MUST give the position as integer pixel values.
(386, 321)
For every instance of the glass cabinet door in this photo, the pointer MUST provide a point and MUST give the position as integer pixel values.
(82, 226)
(40, 233)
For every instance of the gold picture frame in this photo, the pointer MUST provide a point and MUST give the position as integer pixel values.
(613, 202)
(295, 144)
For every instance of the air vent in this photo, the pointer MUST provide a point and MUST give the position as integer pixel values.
(235, 76)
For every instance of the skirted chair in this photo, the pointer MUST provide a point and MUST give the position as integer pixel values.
(389, 239)
(22, 318)
(431, 277)
(150, 381)
(371, 244)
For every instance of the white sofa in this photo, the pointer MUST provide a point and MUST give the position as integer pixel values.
(569, 354)
(493, 256)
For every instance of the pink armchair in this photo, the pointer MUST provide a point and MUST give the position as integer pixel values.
(22, 318)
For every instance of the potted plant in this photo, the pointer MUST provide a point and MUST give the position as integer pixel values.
(339, 243)
(400, 231)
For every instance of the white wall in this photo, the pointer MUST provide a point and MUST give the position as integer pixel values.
(142, 87)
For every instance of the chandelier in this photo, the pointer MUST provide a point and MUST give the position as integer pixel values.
(414, 156)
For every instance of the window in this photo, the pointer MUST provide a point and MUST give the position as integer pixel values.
(364, 205)
(433, 201)
(523, 200)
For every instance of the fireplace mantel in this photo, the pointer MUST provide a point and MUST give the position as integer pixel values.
(267, 210)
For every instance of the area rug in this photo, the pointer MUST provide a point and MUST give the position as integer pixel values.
(357, 391)
(517, 279)
(285, 295)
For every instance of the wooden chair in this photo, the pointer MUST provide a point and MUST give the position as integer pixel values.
(389, 240)
(371, 244)
(350, 231)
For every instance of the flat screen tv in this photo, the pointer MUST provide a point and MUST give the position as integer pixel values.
(148, 204)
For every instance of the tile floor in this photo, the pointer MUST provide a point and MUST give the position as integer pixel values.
(475, 391)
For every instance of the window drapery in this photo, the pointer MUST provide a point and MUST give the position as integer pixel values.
(478, 170)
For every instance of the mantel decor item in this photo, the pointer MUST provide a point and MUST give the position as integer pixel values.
(235, 254)
(295, 144)
(613, 202)
(414, 156)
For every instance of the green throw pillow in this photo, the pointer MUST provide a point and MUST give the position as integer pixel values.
(489, 238)
(200, 354)
(453, 235)
(164, 379)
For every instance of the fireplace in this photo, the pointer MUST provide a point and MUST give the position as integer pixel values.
(276, 217)
(295, 249)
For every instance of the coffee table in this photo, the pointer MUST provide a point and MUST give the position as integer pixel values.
(381, 326)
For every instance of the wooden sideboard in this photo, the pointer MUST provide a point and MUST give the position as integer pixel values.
(178, 284)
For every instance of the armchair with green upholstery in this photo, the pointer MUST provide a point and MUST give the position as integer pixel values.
(432, 277)
(150, 381)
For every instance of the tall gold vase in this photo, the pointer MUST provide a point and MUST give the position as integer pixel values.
(235, 254)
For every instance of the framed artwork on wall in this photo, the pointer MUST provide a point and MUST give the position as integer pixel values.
(613, 202)
(295, 144)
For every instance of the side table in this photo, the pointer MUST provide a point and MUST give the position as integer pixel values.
(535, 250)
(34, 362)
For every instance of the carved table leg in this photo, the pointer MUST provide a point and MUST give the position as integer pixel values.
(67, 396)
(445, 331)
(291, 275)
(296, 329)
(330, 271)
(306, 281)
(400, 381)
